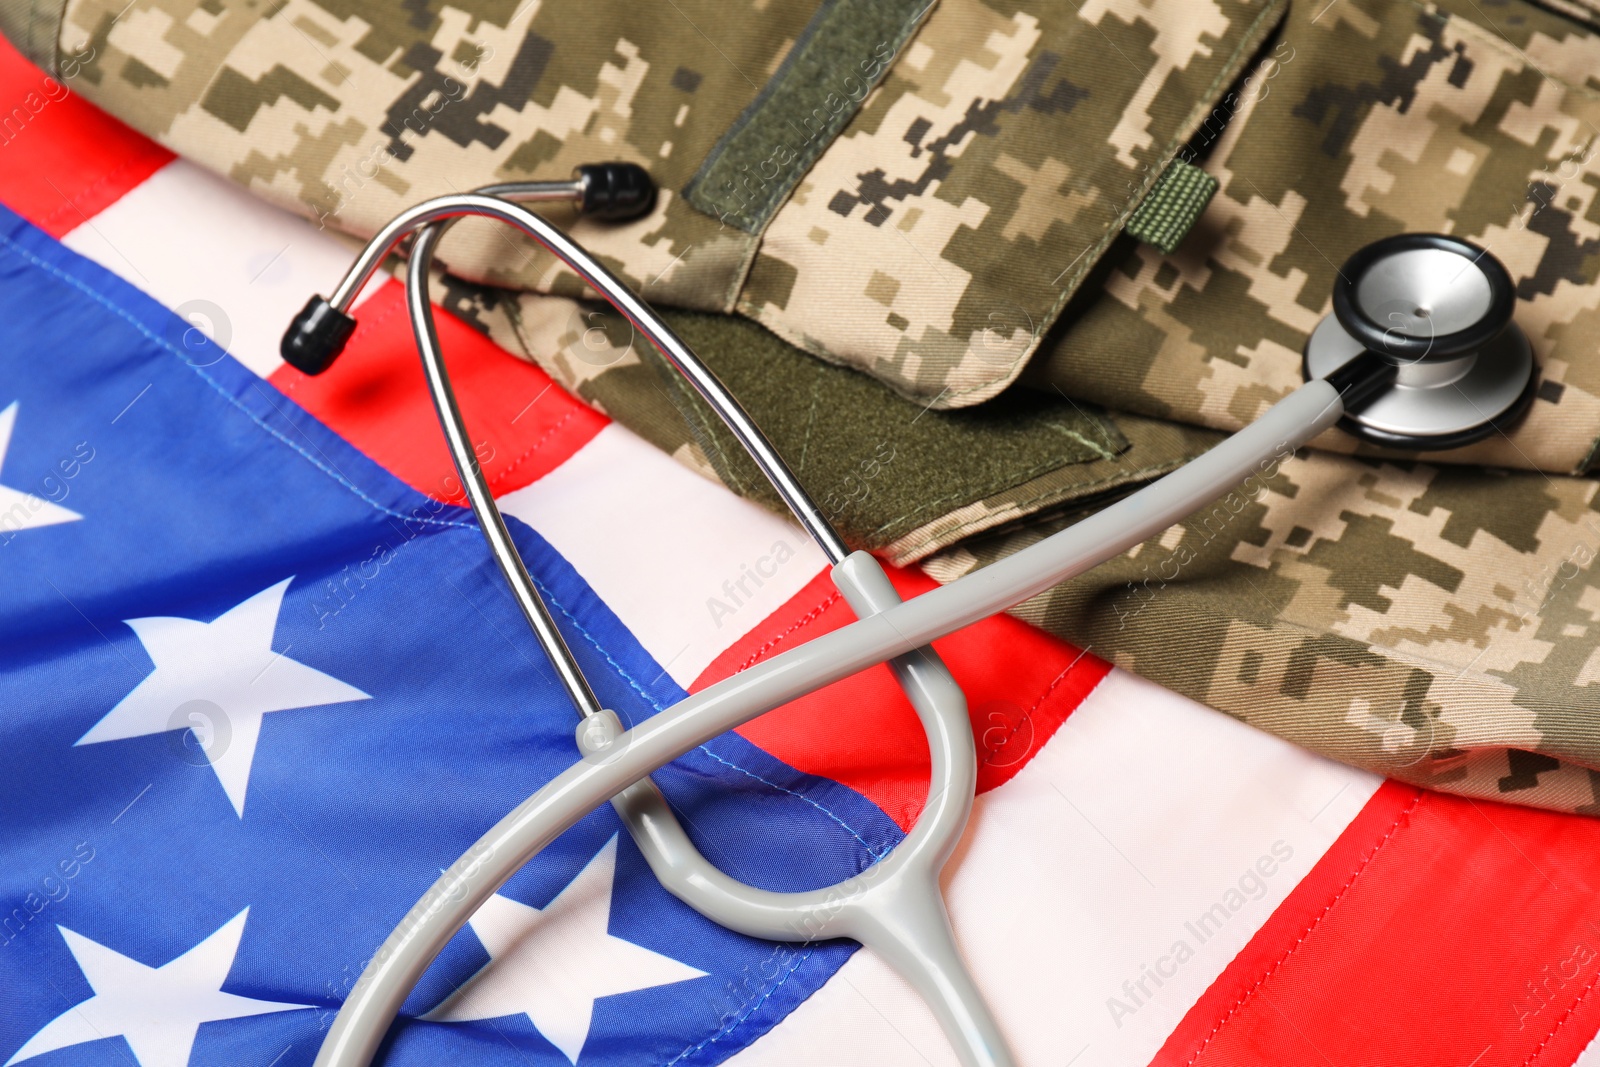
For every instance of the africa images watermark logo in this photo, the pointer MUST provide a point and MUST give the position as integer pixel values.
(739, 591)
(199, 732)
(1249, 886)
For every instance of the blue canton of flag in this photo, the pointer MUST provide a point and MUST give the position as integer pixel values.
(255, 693)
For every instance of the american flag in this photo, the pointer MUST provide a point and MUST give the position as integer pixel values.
(260, 680)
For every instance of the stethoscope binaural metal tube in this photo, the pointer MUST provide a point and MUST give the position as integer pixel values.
(480, 497)
(491, 202)
(895, 906)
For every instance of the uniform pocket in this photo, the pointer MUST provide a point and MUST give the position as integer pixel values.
(937, 237)
(1386, 116)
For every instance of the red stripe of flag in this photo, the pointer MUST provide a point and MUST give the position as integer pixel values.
(1021, 684)
(1436, 931)
(64, 160)
(522, 425)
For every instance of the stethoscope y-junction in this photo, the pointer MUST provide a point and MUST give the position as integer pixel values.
(1421, 326)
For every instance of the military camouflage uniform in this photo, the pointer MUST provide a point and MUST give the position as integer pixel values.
(961, 225)
(1404, 117)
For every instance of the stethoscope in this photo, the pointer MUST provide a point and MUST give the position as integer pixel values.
(1419, 353)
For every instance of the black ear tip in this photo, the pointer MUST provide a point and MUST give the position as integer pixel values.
(616, 191)
(316, 336)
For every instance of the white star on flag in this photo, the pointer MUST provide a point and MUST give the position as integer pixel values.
(552, 965)
(19, 510)
(219, 678)
(157, 1009)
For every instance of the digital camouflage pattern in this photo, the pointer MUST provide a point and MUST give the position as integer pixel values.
(935, 241)
(349, 111)
(1377, 117)
(931, 244)
(1436, 621)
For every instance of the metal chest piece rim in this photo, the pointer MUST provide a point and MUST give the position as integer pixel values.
(1438, 308)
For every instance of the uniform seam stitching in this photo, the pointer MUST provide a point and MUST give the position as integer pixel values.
(1040, 469)
(1076, 488)
(1565, 1016)
(996, 384)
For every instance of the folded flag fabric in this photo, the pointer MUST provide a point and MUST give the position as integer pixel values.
(243, 649)
(261, 681)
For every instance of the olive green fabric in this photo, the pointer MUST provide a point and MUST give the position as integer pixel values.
(843, 434)
(1168, 213)
(896, 477)
(843, 54)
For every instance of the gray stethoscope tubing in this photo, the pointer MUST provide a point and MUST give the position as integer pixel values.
(902, 628)
(895, 906)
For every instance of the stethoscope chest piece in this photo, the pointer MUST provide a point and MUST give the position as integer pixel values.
(1439, 309)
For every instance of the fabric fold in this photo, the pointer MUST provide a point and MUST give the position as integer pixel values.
(1427, 622)
(1427, 617)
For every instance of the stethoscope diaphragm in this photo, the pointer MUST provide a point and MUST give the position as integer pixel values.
(1438, 309)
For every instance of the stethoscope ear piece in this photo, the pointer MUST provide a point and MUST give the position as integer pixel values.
(316, 336)
(1439, 310)
(614, 192)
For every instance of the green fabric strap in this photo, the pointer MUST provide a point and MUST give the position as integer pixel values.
(1172, 207)
(840, 430)
(846, 49)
